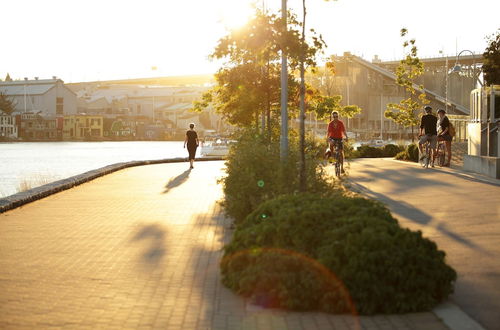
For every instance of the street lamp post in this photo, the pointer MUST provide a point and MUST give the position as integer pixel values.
(284, 90)
(457, 68)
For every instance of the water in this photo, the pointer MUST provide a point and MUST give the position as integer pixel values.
(33, 164)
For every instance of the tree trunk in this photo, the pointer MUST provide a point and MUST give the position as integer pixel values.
(302, 173)
(268, 100)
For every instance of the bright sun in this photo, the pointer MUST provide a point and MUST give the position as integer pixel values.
(235, 13)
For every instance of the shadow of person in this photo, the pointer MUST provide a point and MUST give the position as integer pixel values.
(177, 181)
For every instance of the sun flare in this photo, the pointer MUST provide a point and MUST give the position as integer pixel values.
(235, 13)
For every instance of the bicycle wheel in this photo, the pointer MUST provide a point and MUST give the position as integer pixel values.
(337, 169)
(427, 159)
(441, 154)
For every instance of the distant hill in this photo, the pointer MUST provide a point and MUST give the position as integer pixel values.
(200, 79)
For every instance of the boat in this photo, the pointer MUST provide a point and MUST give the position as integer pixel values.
(215, 146)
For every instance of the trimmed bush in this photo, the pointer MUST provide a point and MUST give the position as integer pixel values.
(391, 150)
(409, 154)
(311, 252)
(369, 152)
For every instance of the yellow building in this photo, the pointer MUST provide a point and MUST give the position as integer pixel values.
(83, 127)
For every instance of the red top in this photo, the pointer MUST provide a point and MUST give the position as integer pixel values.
(335, 129)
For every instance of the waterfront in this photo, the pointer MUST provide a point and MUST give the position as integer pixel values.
(26, 164)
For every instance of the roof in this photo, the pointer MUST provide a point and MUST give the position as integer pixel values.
(179, 107)
(30, 87)
(38, 89)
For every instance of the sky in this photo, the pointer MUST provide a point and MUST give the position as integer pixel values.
(87, 40)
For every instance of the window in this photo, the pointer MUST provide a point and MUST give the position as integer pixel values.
(59, 105)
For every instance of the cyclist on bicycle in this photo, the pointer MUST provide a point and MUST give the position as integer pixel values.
(444, 133)
(336, 130)
(428, 124)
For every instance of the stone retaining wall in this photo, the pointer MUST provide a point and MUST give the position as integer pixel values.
(31, 195)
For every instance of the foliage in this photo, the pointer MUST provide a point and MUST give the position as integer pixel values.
(491, 64)
(324, 105)
(6, 104)
(409, 154)
(409, 69)
(255, 173)
(249, 82)
(389, 150)
(311, 252)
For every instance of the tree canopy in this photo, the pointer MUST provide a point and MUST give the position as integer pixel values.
(491, 65)
(409, 69)
(6, 104)
(248, 84)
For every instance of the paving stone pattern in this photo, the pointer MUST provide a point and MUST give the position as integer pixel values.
(138, 248)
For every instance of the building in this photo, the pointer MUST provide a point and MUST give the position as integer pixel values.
(35, 127)
(48, 97)
(83, 127)
(8, 126)
(372, 86)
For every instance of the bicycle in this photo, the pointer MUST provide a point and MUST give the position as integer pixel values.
(441, 153)
(426, 160)
(337, 158)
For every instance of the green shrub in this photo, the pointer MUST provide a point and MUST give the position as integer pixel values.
(413, 152)
(409, 154)
(255, 173)
(403, 155)
(391, 150)
(275, 251)
(369, 152)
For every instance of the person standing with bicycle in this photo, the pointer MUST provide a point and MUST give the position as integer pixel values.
(336, 130)
(444, 134)
(428, 124)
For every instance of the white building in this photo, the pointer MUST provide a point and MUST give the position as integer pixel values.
(49, 97)
(8, 126)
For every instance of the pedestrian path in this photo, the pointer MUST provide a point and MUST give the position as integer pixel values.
(458, 210)
(138, 248)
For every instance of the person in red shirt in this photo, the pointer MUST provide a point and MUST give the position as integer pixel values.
(336, 130)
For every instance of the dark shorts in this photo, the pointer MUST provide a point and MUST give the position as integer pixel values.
(192, 150)
(446, 137)
(336, 141)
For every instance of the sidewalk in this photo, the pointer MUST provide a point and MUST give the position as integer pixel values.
(138, 248)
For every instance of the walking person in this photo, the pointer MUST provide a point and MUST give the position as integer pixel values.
(192, 143)
(444, 133)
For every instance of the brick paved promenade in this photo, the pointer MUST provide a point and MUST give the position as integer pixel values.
(138, 248)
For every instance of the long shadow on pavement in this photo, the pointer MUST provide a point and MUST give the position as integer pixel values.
(177, 181)
(401, 176)
(412, 213)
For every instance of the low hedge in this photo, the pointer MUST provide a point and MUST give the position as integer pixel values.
(334, 253)
(409, 154)
(389, 150)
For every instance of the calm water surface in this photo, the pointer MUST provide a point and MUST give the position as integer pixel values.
(38, 163)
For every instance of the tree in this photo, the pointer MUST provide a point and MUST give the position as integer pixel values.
(409, 69)
(491, 64)
(6, 104)
(248, 84)
(8, 78)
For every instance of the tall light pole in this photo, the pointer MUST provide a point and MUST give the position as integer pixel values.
(458, 68)
(284, 90)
